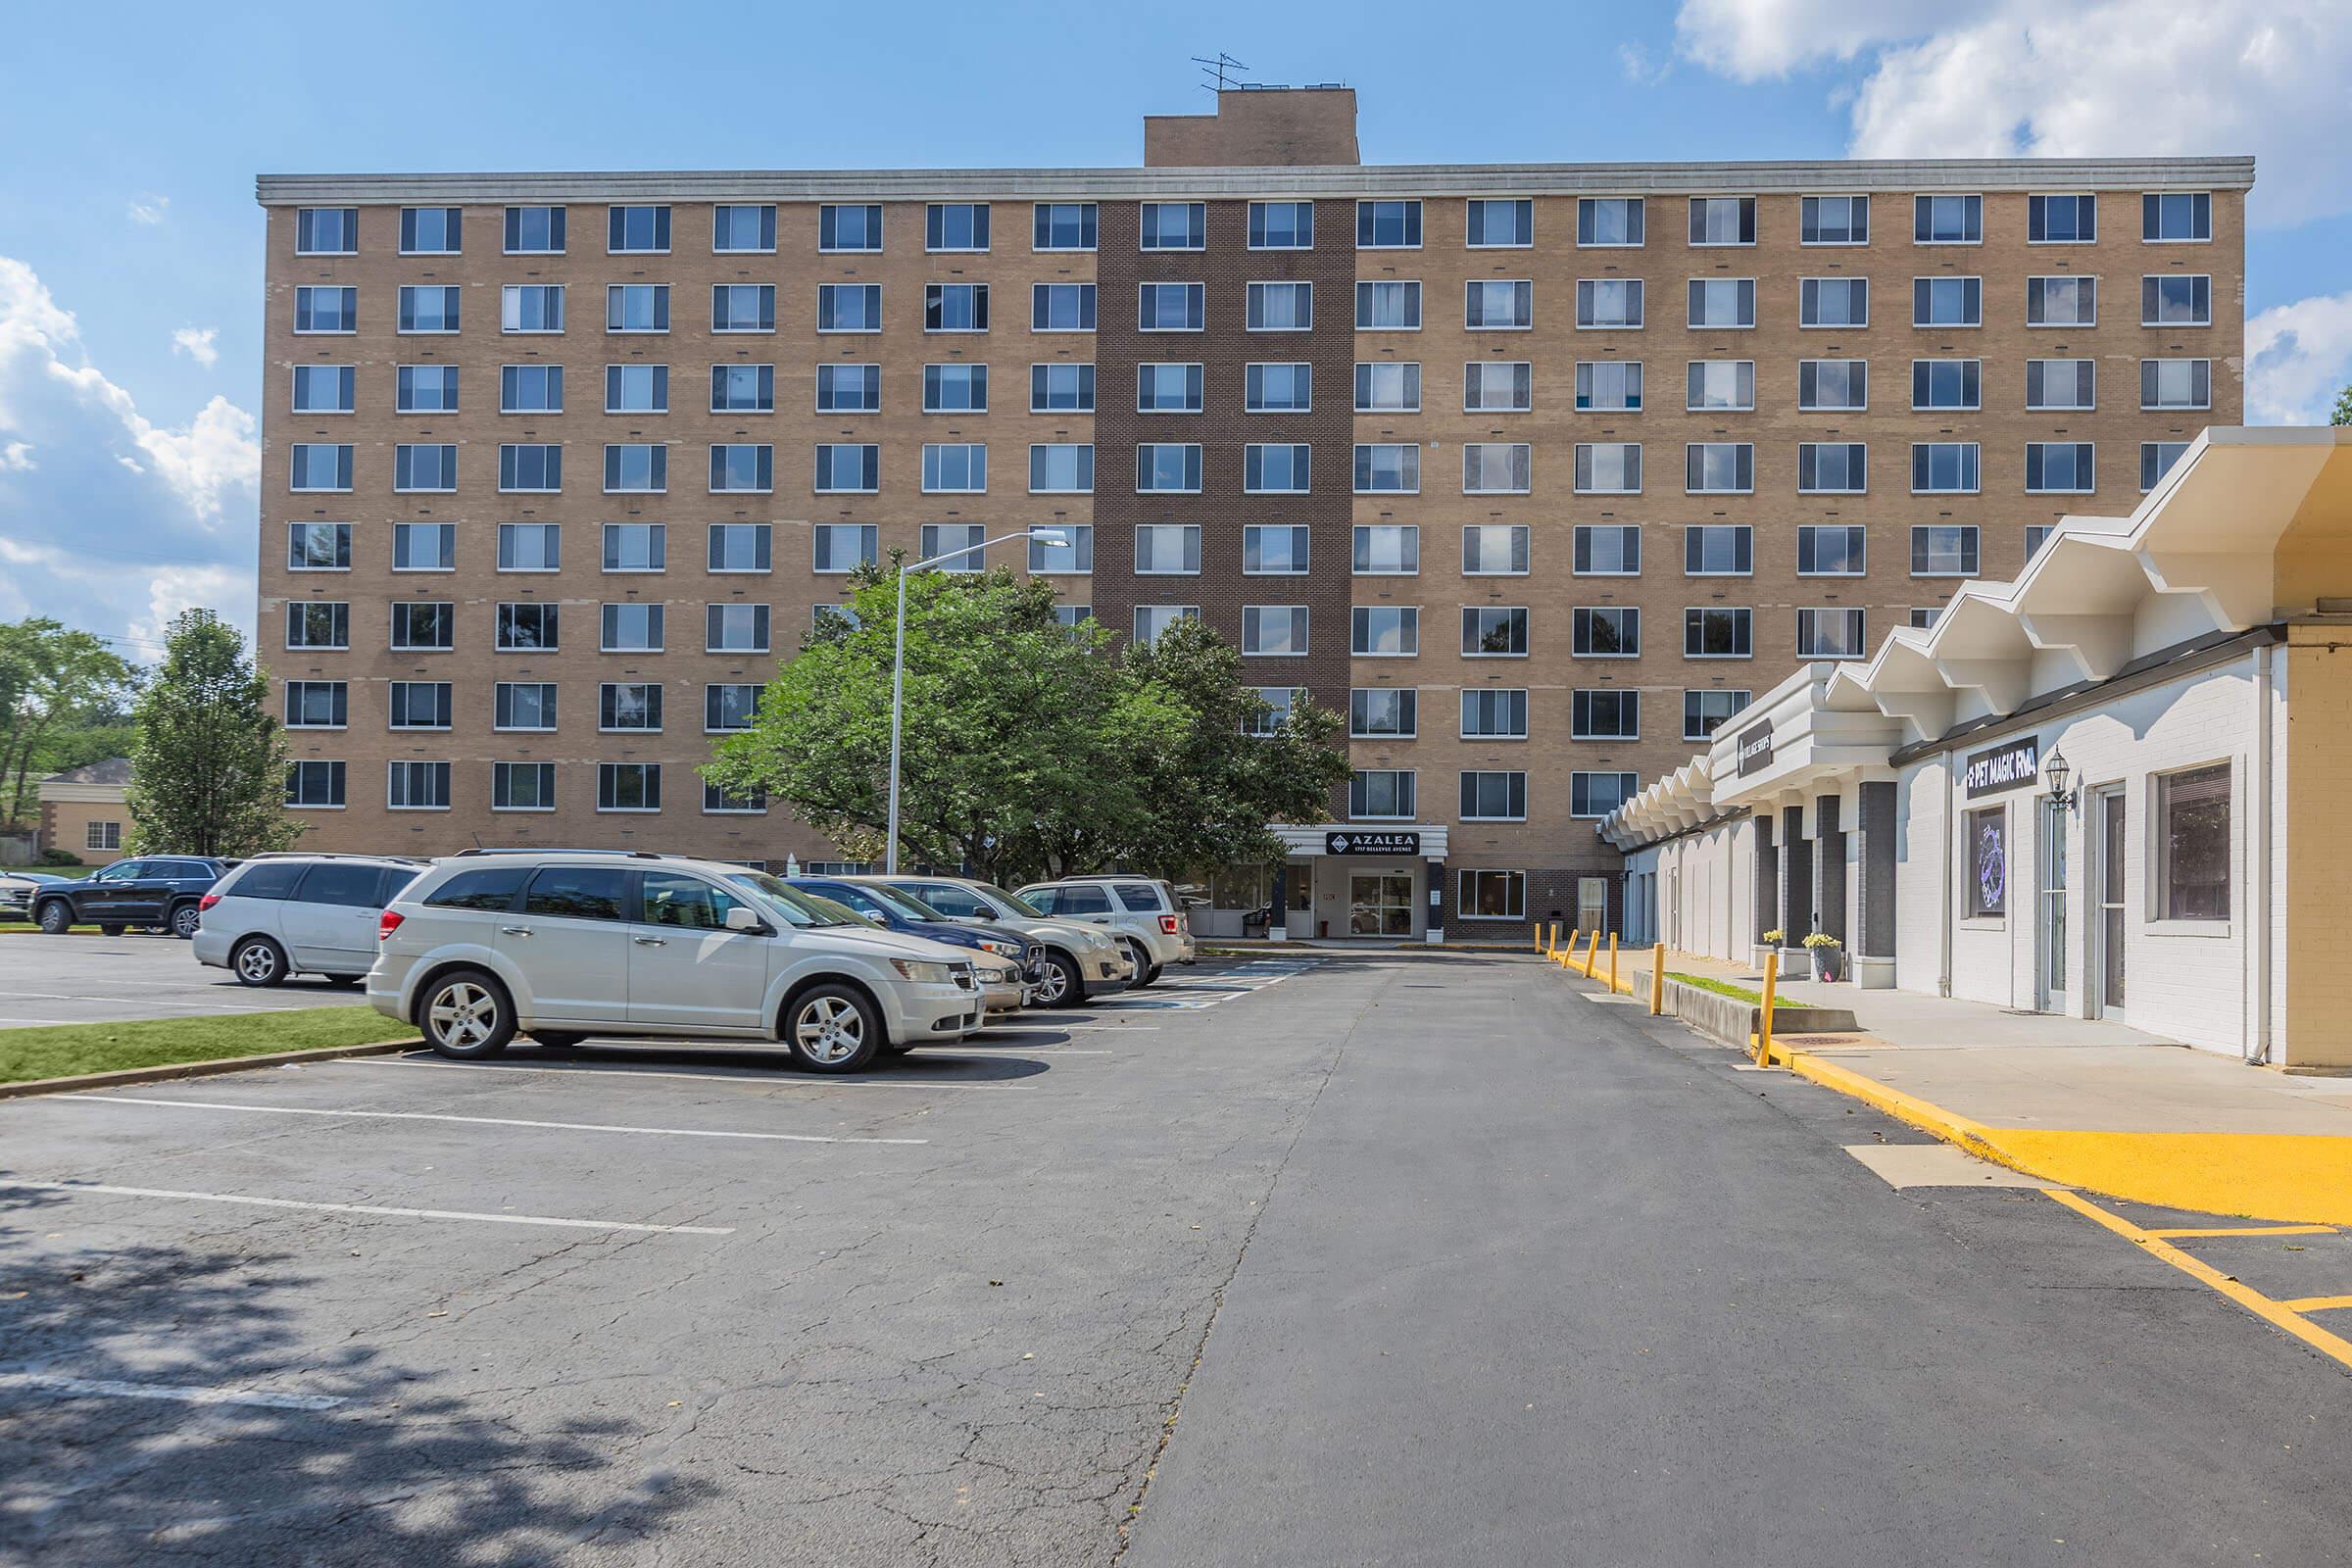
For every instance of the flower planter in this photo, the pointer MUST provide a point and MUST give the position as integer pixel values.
(1757, 954)
(1825, 963)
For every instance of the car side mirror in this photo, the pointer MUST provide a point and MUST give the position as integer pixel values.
(740, 918)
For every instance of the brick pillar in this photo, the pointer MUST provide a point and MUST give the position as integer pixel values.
(1829, 860)
(1768, 876)
(1796, 877)
(1876, 936)
(1278, 928)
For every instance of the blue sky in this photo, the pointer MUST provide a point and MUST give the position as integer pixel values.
(131, 257)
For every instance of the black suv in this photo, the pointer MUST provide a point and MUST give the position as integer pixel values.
(156, 891)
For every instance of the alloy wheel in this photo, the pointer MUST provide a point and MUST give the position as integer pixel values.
(829, 1029)
(464, 1014)
(257, 963)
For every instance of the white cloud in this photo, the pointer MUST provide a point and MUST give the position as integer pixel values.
(149, 210)
(1638, 66)
(1752, 39)
(197, 344)
(228, 590)
(2299, 356)
(16, 456)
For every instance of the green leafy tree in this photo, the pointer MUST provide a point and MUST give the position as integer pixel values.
(209, 768)
(54, 683)
(2342, 413)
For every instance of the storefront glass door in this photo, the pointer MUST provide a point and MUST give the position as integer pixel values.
(2053, 994)
(1379, 905)
(1591, 903)
(2108, 805)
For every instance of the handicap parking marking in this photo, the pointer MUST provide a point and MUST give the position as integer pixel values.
(481, 1121)
(317, 1207)
(113, 1387)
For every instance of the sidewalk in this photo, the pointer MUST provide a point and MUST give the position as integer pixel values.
(2083, 1102)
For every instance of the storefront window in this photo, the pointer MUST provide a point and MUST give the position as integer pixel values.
(1988, 863)
(1494, 896)
(1238, 887)
(2192, 838)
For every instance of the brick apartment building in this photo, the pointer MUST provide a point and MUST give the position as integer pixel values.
(1537, 470)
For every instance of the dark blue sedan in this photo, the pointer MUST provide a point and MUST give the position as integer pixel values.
(908, 915)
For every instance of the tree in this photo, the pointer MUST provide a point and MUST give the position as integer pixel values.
(2342, 413)
(208, 774)
(53, 682)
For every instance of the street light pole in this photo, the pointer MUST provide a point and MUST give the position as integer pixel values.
(897, 670)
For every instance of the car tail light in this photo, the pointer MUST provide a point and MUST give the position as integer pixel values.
(387, 922)
(206, 902)
(1168, 924)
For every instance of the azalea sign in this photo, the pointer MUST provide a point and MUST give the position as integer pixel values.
(1371, 843)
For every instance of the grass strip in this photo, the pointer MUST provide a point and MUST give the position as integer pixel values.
(69, 1049)
(1722, 988)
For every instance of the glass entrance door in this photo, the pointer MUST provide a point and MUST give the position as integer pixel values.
(1379, 905)
(1591, 903)
(2053, 994)
(2110, 885)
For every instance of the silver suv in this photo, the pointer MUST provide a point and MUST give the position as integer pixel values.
(1080, 961)
(1145, 914)
(560, 945)
(285, 914)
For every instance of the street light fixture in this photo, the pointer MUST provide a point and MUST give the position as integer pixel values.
(2055, 772)
(898, 668)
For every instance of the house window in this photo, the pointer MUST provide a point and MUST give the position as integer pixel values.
(1062, 469)
(1381, 792)
(315, 623)
(528, 628)
(2180, 216)
(2193, 844)
(326, 310)
(637, 308)
(747, 546)
(848, 467)
(2062, 301)
(1167, 550)
(1167, 388)
(1382, 713)
(1706, 712)
(1722, 220)
(841, 546)
(1828, 634)
(628, 786)
(955, 226)
(1947, 220)
(1947, 383)
(953, 546)
(2062, 384)
(1722, 302)
(1832, 550)
(735, 628)
(1609, 385)
(1387, 550)
(1833, 385)
(1174, 225)
(533, 468)
(425, 389)
(316, 786)
(325, 388)
(1274, 630)
(417, 787)
(1387, 387)
(431, 230)
(1609, 714)
(1607, 550)
(326, 232)
(1152, 620)
(1282, 225)
(739, 469)
(1494, 631)
(743, 228)
(1832, 302)
(1497, 467)
(954, 307)
(1719, 467)
(522, 786)
(424, 547)
(1491, 895)
(1388, 307)
(524, 706)
(636, 388)
(743, 307)
(531, 308)
(1280, 307)
(1943, 467)
(1378, 631)
(534, 231)
(2176, 383)
(1597, 794)
(1169, 306)
(1608, 467)
(637, 230)
(849, 228)
(955, 467)
(102, 836)
(1606, 631)
(632, 628)
(317, 704)
(1500, 549)
(729, 706)
(1064, 226)
(1167, 467)
(1073, 553)
(1387, 226)
(1943, 550)
(1508, 225)
(1498, 305)
(1948, 302)
(1718, 550)
(1834, 221)
(1493, 714)
(1721, 385)
(1061, 307)
(1608, 220)
(1061, 389)
(849, 307)
(1286, 388)
(424, 465)
(1832, 467)
(1716, 631)
(1275, 468)
(317, 546)
(2059, 467)
(2062, 220)
(1493, 796)
(1608, 302)
(1388, 469)
(2156, 459)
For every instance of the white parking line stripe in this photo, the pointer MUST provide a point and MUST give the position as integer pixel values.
(51, 1383)
(143, 1001)
(484, 1121)
(368, 1209)
(587, 1070)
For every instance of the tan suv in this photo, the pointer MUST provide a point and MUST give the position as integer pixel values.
(1145, 915)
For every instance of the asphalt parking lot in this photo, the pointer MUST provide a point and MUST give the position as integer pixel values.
(98, 979)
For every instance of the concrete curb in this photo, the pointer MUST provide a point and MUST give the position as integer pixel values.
(164, 1072)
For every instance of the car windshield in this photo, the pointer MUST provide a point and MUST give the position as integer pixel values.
(840, 913)
(900, 899)
(794, 907)
(1016, 906)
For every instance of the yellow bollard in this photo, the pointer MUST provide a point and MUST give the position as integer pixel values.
(1592, 952)
(1772, 975)
(1612, 964)
(1657, 980)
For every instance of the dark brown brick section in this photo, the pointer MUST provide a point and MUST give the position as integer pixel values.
(1224, 350)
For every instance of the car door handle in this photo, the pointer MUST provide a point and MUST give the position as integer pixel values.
(651, 942)
(514, 930)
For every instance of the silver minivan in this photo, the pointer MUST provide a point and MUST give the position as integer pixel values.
(278, 915)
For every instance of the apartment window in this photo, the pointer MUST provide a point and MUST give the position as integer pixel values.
(1387, 226)
(1169, 306)
(1609, 385)
(431, 230)
(531, 388)
(955, 226)
(1943, 550)
(636, 389)
(1718, 550)
(1382, 713)
(317, 465)
(1074, 554)
(849, 307)
(1716, 631)
(1167, 550)
(849, 227)
(2062, 220)
(1605, 220)
(325, 388)
(534, 231)
(1387, 387)
(717, 802)
(1061, 389)
(735, 628)
(1493, 714)
(954, 307)
(1280, 307)
(628, 786)
(1943, 467)
(1828, 634)
(1497, 467)
(739, 228)
(1607, 550)
(636, 547)
(848, 467)
(1384, 632)
(1501, 225)
(527, 627)
(743, 307)
(637, 308)
(1606, 631)
(524, 705)
(2068, 384)
(326, 232)
(1722, 302)
(1947, 220)
(1722, 220)
(2176, 215)
(424, 547)
(1387, 550)
(1273, 712)
(317, 704)
(1491, 895)
(1388, 307)
(1832, 302)
(954, 467)
(425, 389)
(1498, 305)
(1608, 302)
(1834, 221)
(428, 310)
(1383, 469)
(1282, 225)
(1609, 714)
(2059, 467)
(1174, 225)
(522, 786)
(747, 546)
(1274, 549)
(530, 547)
(1500, 549)
(2176, 383)
(425, 627)
(947, 389)
(1167, 388)
(632, 628)
(424, 466)
(1278, 388)
(1274, 468)
(530, 307)
(536, 467)
(1706, 712)
(1061, 307)
(1723, 385)
(2038, 535)
(1493, 796)
(1064, 226)
(1151, 621)
(1830, 467)
(1608, 467)
(2193, 844)
(1947, 383)
(2156, 459)
(318, 625)
(1167, 467)
(421, 705)
(2062, 302)
(1274, 630)
(1381, 794)
(1598, 793)
(739, 469)
(1062, 467)
(326, 310)
(1948, 302)
(1719, 467)
(417, 786)
(2176, 300)
(954, 545)
(316, 786)
(1833, 385)
(317, 546)
(1825, 549)
(728, 708)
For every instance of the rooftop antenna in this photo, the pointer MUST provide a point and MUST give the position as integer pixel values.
(1219, 71)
